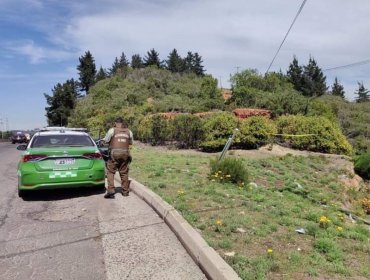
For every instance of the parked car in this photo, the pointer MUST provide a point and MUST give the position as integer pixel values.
(19, 137)
(60, 158)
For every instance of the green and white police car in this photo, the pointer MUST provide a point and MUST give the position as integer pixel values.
(58, 157)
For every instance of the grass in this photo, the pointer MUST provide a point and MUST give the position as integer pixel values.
(284, 194)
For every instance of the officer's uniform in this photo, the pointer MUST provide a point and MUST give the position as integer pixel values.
(119, 139)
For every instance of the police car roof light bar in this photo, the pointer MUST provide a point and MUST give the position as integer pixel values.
(62, 128)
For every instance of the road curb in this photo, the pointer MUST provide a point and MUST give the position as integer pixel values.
(204, 256)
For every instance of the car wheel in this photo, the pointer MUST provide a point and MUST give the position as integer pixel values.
(100, 187)
(21, 193)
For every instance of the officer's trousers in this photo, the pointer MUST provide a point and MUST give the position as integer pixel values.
(119, 160)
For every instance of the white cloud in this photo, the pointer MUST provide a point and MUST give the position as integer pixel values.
(227, 34)
(257, 28)
(37, 54)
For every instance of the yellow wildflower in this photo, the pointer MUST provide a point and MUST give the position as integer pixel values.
(324, 221)
(228, 176)
(180, 192)
(339, 228)
(269, 251)
(219, 222)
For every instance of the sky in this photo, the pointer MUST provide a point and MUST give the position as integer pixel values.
(41, 41)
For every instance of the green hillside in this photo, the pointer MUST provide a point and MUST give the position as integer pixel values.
(138, 93)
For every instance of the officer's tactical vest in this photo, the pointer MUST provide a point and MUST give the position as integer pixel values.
(121, 139)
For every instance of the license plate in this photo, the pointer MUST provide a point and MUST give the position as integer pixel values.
(64, 161)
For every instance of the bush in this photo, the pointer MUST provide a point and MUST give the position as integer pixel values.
(354, 119)
(217, 127)
(362, 166)
(327, 136)
(161, 130)
(255, 132)
(154, 129)
(144, 129)
(228, 170)
(187, 131)
(213, 145)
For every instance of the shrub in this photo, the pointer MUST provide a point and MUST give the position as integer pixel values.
(362, 165)
(213, 145)
(144, 129)
(327, 136)
(329, 248)
(354, 119)
(283, 102)
(217, 129)
(187, 131)
(255, 132)
(228, 170)
(161, 130)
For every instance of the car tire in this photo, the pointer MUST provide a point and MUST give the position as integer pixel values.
(21, 193)
(100, 187)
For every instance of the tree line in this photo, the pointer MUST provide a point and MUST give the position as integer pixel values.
(308, 80)
(64, 96)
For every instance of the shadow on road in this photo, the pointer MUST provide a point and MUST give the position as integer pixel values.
(60, 194)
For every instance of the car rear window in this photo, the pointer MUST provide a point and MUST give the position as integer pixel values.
(61, 140)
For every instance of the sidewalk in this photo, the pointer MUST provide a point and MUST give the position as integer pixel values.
(138, 244)
(168, 233)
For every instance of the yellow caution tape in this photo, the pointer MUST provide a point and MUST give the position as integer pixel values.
(292, 135)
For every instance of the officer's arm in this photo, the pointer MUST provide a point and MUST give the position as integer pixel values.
(108, 136)
(131, 140)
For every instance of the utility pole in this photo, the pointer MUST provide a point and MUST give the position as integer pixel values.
(2, 127)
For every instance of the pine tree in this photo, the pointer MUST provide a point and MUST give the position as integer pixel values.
(87, 71)
(137, 61)
(294, 74)
(189, 63)
(115, 66)
(123, 62)
(61, 102)
(101, 75)
(120, 63)
(175, 63)
(198, 68)
(313, 80)
(362, 92)
(152, 58)
(337, 89)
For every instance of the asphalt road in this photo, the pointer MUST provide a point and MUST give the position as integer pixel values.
(77, 234)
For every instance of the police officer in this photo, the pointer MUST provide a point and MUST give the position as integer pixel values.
(120, 139)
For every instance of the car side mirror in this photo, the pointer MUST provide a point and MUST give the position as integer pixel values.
(22, 147)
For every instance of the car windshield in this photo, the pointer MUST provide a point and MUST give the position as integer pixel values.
(18, 134)
(61, 140)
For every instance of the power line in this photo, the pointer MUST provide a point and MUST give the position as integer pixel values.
(286, 35)
(349, 65)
